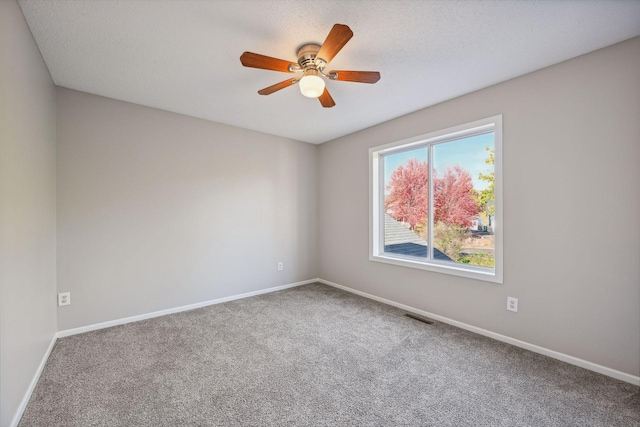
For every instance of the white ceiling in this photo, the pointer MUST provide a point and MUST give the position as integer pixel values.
(183, 55)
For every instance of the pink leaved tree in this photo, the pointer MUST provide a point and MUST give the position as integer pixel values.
(453, 199)
(408, 198)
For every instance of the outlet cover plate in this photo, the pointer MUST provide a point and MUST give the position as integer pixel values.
(512, 304)
(64, 298)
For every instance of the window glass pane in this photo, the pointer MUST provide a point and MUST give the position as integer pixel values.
(463, 201)
(406, 203)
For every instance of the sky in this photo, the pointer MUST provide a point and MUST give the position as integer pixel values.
(469, 153)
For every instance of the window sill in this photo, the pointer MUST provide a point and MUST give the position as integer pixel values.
(477, 273)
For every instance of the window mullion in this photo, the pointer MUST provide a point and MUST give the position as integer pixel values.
(430, 207)
(381, 209)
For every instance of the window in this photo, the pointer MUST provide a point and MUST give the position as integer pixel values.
(436, 201)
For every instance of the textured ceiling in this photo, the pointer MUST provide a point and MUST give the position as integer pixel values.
(183, 55)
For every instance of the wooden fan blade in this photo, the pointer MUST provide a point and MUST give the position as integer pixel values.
(276, 87)
(337, 38)
(255, 60)
(355, 76)
(326, 100)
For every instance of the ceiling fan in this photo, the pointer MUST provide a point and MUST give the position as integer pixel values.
(312, 60)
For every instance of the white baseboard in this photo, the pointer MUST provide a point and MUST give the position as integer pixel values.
(116, 322)
(32, 385)
(522, 344)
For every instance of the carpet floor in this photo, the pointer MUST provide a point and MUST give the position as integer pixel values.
(313, 356)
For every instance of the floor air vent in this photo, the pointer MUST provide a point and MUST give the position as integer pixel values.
(420, 318)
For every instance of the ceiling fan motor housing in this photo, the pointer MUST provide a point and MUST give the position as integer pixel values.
(307, 56)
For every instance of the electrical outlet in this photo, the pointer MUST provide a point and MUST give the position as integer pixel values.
(280, 266)
(64, 298)
(512, 304)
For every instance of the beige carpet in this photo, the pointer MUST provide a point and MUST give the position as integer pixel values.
(313, 356)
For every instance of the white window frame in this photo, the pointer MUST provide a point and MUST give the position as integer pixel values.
(376, 201)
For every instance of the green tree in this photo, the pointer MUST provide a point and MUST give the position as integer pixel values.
(485, 196)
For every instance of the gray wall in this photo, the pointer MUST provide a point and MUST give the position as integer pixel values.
(158, 210)
(27, 209)
(571, 165)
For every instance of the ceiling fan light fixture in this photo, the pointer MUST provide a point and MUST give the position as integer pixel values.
(312, 85)
(312, 60)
